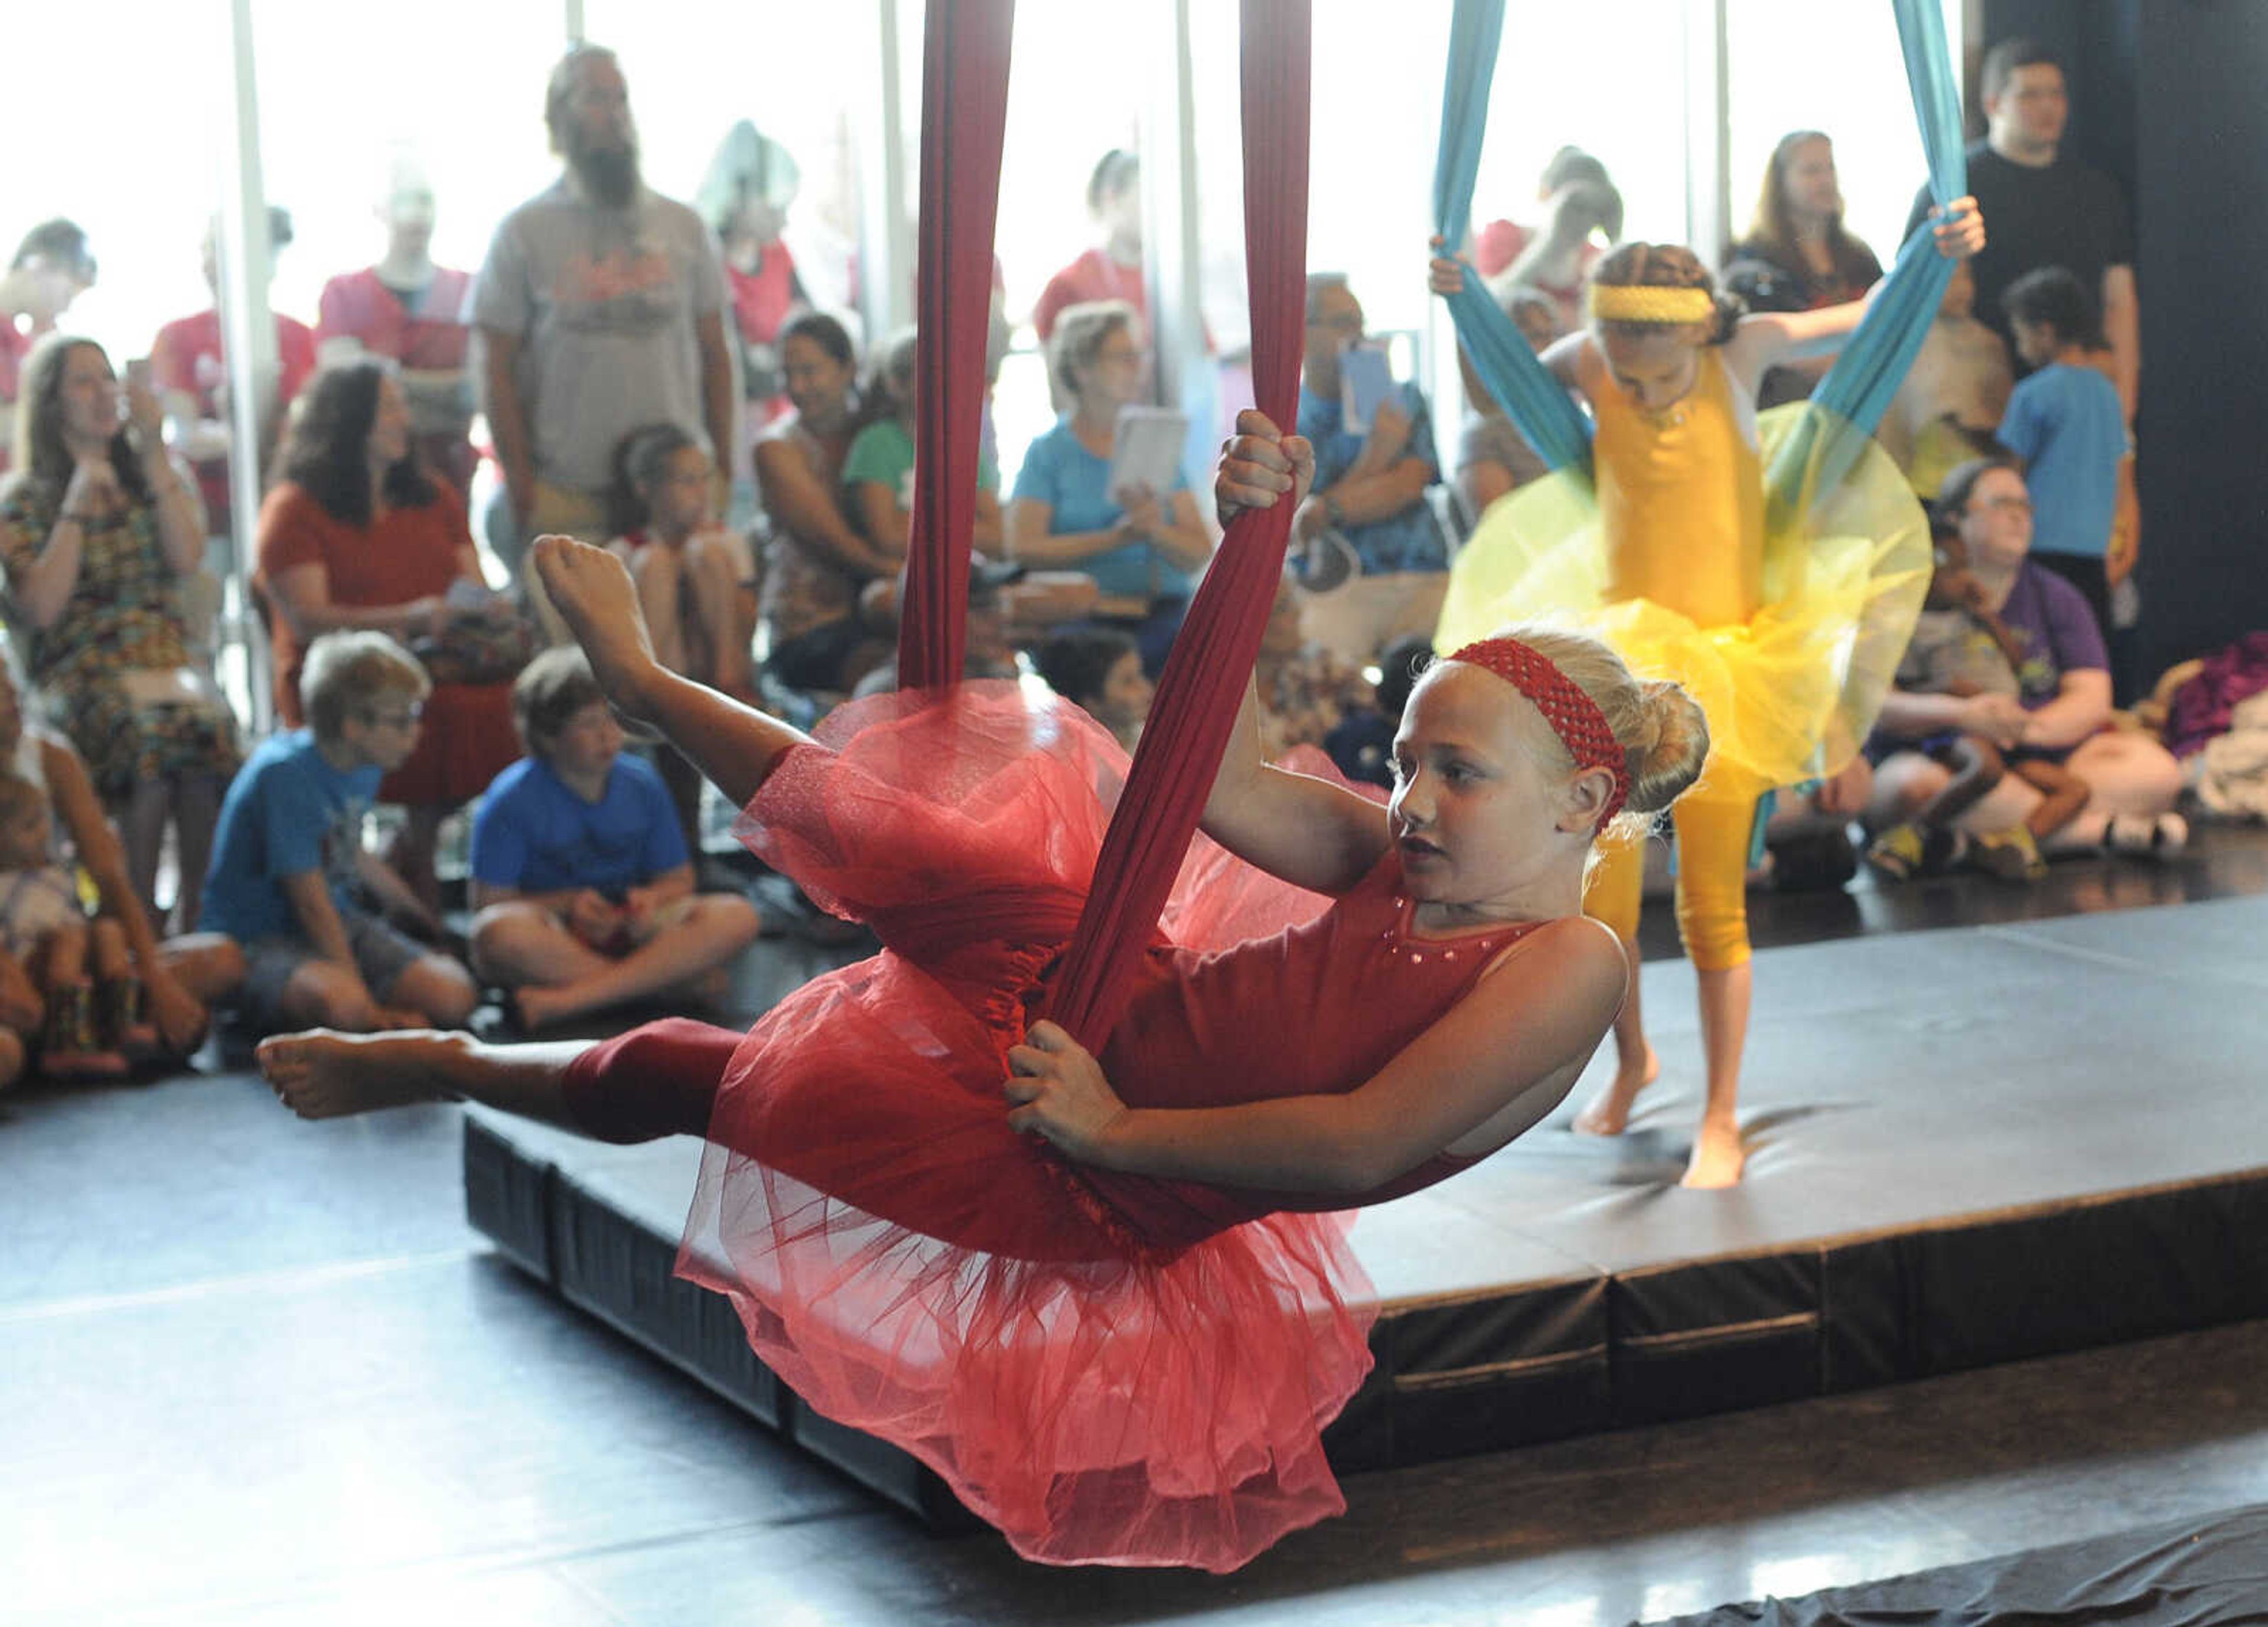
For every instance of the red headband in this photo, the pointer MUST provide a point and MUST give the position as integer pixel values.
(1574, 717)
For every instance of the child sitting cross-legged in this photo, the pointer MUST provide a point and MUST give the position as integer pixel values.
(582, 882)
(291, 881)
(85, 1026)
(1959, 647)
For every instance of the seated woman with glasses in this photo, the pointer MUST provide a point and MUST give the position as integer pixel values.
(2061, 711)
(290, 882)
(1143, 548)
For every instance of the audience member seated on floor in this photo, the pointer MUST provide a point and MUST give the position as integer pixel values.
(415, 314)
(2063, 707)
(1141, 546)
(2064, 421)
(582, 884)
(1949, 408)
(1361, 744)
(1960, 647)
(1807, 846)
(189, 368)
(1388, 564)
(156, 1008)
(359, 535)
(1305, 688)
(989, 650)
(696, 579)
(1099, 670)
(291, 881)
(45, 929)
(817, 561)
(1493, 457)
(878, 471)
(99, 526)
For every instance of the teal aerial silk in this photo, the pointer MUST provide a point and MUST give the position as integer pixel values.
(1531, 397)
(1856, 391)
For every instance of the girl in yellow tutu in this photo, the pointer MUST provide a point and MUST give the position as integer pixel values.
(1785, 619)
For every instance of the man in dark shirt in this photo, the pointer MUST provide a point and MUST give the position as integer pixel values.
(2043, 209)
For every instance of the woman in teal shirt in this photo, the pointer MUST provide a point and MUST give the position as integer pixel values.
(1143, 552)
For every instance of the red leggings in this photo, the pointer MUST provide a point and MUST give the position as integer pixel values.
(658, 1079)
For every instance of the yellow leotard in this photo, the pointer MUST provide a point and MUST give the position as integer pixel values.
(1788, 633)
(1682, 501)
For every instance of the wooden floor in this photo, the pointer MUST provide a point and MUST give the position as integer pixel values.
(257, 1370)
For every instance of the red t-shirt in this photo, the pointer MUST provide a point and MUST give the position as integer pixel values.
(1092, 276)
(14, 343)
(187, 357)
(431, 338)
(763, 298)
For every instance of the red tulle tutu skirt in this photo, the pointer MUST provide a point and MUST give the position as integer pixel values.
(916, 1271)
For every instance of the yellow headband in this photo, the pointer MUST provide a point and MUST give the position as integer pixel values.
(1621, 302)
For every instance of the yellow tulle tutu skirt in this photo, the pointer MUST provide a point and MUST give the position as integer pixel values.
(1789, 694)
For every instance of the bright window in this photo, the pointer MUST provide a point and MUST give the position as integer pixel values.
(1832, 66)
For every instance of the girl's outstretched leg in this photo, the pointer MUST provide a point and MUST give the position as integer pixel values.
(659, 1079)
(735, 745)
(325, 1074)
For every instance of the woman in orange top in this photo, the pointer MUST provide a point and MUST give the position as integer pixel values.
(358, 535)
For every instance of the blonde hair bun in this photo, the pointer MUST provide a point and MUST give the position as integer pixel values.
(1672, 742)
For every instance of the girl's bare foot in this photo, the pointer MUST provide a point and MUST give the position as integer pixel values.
(1717, 1156)
(327, 1074)
(593, 594)
(1608, 1112)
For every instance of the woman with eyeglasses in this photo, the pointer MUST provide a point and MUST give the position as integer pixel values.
(1142, 548)
(2062, 710)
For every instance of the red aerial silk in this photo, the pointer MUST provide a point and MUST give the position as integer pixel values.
(964, 112)
(963, 109)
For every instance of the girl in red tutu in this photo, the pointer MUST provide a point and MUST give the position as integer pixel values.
(1107, 1295)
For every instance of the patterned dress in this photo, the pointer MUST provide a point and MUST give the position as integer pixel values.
(102, 668)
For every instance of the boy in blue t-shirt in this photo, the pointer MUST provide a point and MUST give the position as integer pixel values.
(582, 882)
(2065, 422)
(290, 880)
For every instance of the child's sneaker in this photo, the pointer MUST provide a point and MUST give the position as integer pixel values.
(2009, 854)
(1898, 853)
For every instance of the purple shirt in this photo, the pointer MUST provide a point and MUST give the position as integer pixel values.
(2052, 619)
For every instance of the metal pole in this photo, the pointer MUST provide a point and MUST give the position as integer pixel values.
(1171, 268)
(1708, 138)
(886, 248)
(247, 342)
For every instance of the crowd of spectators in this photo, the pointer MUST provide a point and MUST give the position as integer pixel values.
(651, 378)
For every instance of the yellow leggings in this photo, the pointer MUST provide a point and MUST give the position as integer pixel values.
(1715, 822)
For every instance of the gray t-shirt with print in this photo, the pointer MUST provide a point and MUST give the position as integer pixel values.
(606, 303)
